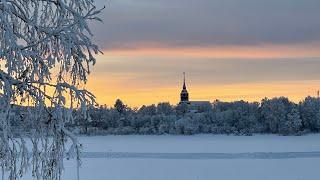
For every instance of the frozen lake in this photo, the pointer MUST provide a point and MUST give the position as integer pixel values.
(199, 157)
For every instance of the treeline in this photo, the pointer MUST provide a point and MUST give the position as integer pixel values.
(276, 116)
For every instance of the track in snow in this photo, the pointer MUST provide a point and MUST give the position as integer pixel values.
(202, 156)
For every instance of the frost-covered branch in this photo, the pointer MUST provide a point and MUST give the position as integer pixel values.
(45, 56)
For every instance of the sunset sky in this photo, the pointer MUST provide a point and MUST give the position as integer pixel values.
(229, 49)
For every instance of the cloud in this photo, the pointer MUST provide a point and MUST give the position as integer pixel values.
(176, 23)
(151, 72)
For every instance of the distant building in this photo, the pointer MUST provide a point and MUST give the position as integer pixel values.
(194, 106)
(184, 95)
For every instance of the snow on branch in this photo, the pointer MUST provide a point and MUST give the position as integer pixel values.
(45, 55)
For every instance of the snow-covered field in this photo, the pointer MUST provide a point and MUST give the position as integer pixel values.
(200, 157)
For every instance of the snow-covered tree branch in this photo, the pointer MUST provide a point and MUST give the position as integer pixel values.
(45, 55)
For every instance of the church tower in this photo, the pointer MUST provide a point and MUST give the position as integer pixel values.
(184, 95)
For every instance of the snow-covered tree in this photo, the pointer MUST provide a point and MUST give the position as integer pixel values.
(119, 106)
(293, 123)
(310, 113)
(164, 108)
(182, 108)
(45, 54)
(275, 113)
(148, 110)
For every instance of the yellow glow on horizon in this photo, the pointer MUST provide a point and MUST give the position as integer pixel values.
(295, 91)
(130, 85)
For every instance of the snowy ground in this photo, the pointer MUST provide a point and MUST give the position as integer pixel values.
(200, 157)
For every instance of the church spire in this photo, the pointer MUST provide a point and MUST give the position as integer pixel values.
(184, 95)
(184, 81)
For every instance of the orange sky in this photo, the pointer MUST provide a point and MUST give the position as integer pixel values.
(254, 51)
(296, 91)
(151, 75)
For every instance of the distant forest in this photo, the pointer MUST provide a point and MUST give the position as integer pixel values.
(270, 116)
(276, 116)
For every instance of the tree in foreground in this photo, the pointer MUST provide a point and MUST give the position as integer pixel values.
(45, 54)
